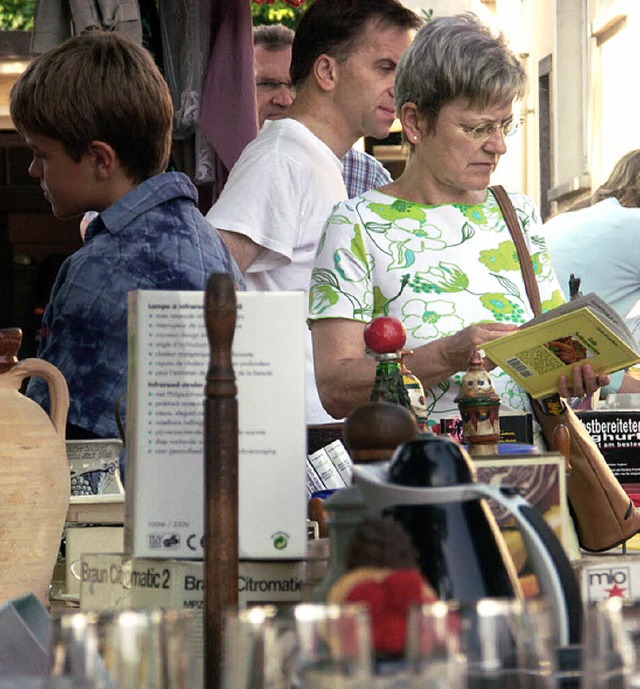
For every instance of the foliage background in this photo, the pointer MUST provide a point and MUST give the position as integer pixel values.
(278, 13)
(17, 15)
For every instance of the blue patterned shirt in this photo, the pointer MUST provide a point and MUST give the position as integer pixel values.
(362, 172)
(154, 238)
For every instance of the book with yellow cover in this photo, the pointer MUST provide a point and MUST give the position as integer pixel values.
(548, 346)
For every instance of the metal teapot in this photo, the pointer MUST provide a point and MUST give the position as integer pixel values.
(429, 487)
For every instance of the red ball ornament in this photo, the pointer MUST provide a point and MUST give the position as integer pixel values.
(385, 334)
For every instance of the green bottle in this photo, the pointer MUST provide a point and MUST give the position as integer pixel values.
(389, 382)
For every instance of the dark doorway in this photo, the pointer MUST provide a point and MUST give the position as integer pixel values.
(545, 137)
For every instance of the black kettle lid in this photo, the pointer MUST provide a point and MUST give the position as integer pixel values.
(431, 461)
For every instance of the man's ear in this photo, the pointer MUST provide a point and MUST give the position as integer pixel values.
(325, 72)
(104, 157)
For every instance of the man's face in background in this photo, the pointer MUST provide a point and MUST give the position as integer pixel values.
(274, 92)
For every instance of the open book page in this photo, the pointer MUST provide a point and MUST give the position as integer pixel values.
(599, 307)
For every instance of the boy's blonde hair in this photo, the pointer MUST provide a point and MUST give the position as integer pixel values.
(99, 86)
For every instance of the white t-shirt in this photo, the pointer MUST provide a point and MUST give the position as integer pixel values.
(279, 194)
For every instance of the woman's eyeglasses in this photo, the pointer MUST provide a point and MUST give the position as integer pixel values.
(483, 132)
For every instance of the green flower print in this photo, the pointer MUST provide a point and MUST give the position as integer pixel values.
(505, 257)
(357, 245)
(501, 307)
(473, 213)
(429, 320)
(405, 240)
(322, 297)
(557, 298)
(398, 210)
(343, 260)
(536, 259)
(445, 277)
(380, 301)
(512, 395)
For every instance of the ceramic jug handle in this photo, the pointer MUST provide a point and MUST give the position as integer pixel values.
(58, 389)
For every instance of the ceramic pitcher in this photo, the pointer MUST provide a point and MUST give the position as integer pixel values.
(34, 473)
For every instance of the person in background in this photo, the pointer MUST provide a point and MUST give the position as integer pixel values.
(600, 243)
(106, 150)
(281, 190)
(275, 94)
(432, 248)
(362, 172)
(271, 60)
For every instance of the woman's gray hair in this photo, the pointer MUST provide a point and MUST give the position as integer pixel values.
(458, 57)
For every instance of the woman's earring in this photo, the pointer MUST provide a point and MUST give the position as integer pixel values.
(415, 137)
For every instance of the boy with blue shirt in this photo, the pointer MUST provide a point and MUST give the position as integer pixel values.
(97, 114)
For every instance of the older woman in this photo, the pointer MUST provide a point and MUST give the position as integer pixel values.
(432, 248)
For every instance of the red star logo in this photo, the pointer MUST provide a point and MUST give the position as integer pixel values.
(616, 591)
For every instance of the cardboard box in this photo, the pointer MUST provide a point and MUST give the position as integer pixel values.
(168, 361)
(118, 580)
(84, 540)
(617, 433)
(96, 509)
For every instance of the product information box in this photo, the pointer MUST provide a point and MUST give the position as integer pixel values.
(164, 475)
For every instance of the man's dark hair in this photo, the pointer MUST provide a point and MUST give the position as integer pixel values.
(273, 36)
(332, 27)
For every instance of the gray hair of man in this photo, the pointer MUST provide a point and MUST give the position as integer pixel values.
(273, 36)
(455, 57)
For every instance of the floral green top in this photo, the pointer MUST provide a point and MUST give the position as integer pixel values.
(438, 269)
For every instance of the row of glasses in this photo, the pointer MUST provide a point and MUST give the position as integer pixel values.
(501, 643)
(491, 643)
(611, 645)
(268, 647)
(125, 649)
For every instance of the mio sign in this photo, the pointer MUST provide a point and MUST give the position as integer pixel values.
(609, 581)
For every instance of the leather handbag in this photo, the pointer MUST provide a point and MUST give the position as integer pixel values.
(604, 516)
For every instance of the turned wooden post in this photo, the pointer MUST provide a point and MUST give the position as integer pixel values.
(220, 474)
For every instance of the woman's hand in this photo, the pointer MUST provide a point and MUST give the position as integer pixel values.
(459, 347)
(583, 381)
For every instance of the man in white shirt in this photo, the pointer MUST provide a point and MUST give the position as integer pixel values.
(275, 94)
(282, 189)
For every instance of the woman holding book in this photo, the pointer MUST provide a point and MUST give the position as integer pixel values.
(432, 248)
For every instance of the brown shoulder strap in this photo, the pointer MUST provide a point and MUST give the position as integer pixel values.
(526, 265)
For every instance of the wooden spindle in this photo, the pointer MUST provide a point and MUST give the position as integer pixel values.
(220, 474)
